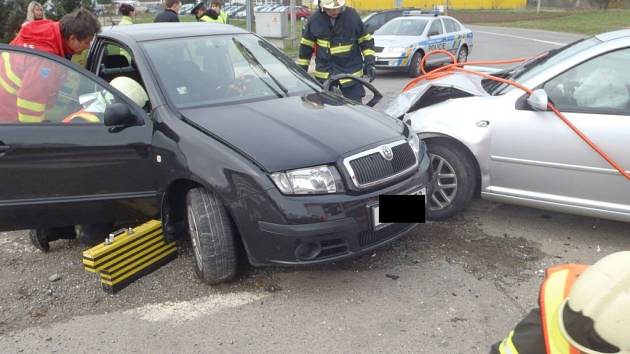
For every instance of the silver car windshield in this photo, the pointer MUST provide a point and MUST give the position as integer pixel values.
(539, 64)
(224, 69)
(403, 27)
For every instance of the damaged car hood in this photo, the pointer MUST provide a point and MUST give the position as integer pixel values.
(431, 92)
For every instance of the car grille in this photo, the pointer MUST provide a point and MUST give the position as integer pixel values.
(369, 237)
(378, 49)
(371, 167)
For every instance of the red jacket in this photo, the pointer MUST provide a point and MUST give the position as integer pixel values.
(29, 84)
(44, 35)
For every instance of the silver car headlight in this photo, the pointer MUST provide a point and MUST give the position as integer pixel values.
(312, 180)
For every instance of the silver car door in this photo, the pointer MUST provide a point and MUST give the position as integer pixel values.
(536, 158)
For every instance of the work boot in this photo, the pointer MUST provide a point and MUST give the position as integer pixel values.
(93, 234)
(40, 238)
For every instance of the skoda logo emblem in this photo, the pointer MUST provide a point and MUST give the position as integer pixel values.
(387, 153)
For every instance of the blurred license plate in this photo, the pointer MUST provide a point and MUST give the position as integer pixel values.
(375, 209)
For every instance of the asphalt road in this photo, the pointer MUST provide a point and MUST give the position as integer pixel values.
(450, 287)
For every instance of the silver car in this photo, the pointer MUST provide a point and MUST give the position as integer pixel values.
(402, 42)
(494, 138)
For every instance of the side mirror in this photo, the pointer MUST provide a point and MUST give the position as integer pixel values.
(538, 100)
(118, 116)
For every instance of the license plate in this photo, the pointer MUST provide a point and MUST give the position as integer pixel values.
(375, 217)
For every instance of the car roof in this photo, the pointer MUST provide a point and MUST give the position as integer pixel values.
(165, 30)
(608, 36)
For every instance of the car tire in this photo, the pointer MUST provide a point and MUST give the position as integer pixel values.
(414, 65)
(462, 55)
(212, 235)
(454, 180)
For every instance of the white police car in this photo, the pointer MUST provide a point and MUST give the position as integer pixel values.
(402, 42)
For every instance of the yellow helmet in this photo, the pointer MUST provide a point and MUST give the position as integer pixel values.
(332, 4)
(595, 318)
(132, 89)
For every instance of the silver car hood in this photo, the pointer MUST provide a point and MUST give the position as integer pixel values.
(468, 83)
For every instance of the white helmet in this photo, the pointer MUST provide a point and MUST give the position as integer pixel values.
(132, 89)
(332, 4)
(596, 316)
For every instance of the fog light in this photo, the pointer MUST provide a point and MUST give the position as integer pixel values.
(307, 251)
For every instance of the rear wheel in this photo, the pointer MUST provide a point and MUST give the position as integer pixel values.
(414, 65)
(212, 235)
(455, 180)
(462, 56)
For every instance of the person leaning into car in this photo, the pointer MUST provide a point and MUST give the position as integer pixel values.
(170, 12)
(343, 46)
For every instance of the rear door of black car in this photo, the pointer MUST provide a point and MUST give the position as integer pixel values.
(59, 163)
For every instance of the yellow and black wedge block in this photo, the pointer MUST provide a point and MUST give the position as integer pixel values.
(128, 254)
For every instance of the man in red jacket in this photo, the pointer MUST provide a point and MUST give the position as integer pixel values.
(28, 85)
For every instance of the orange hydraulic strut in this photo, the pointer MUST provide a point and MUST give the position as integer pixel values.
(455, 66)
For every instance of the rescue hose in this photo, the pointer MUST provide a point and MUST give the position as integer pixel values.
(455, 66)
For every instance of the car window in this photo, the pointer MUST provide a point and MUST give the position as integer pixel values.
(224, 69)
(42, 91)
(451, 26)
(601, 84)
(392, 15)
(436, 28)
(403, 27)
(118, 61)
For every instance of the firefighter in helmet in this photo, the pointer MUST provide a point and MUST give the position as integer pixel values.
(343, 46)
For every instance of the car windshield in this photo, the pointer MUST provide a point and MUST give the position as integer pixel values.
(525, 71)
(224, 69)
(403, 27)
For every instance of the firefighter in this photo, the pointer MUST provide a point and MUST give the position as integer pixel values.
(594, 318)
(343, 46)
(128, 13)
(27, 83)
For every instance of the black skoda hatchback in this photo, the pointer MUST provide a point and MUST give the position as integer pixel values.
(224, 139)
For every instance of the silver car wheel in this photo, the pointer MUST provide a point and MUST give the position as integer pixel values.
(445, 183)
(194, 237)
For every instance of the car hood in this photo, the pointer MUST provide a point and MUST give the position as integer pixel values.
(448, 87)
(396, 41)
(294, 132)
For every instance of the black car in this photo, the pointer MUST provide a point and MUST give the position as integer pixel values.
(376, 20)
(236, 145)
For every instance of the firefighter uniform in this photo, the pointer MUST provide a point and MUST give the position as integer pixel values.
(343, 47)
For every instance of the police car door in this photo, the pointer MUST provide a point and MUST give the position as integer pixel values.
(453, 37)
(59, 163)
(436, 38)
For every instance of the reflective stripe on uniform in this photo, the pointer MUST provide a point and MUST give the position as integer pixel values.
(321, 74)
(367, 52)
(86, 116)
(356, 73)
(306, 42)
(8, 71)
(507, 346)
(27, 118)
(340, 49)
(5, 85)
(303, 62)
(30, 105)
(364, 38)
(323, 43)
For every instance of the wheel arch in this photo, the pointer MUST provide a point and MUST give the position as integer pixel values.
(447, 139)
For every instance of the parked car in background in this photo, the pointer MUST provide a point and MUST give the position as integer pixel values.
(376, 20)
(198, 147)
(402, 42)
(185, 9)
(494, 138)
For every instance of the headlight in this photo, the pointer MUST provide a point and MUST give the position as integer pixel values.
(414, 142)
(312, 180)
(395, 50)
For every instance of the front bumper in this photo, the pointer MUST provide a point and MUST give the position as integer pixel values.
(326, 228)
(391, 62)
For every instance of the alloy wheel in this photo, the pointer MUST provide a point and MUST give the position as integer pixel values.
(445, 183)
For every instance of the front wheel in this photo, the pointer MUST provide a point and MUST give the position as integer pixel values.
(414, 66)
(455, 180)
(212, 235)
(462, 56)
